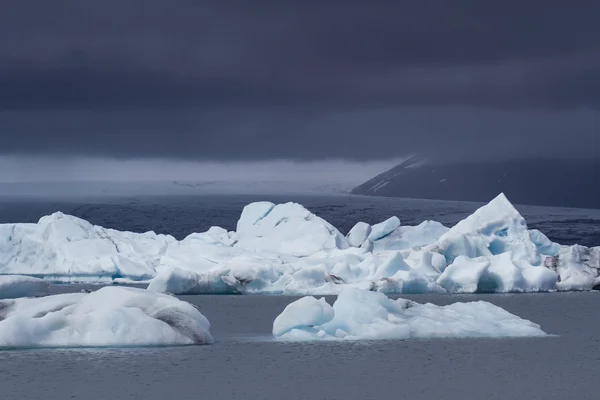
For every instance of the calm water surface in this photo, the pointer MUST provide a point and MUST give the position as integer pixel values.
(245, 363)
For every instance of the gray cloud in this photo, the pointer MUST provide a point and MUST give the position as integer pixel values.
(453, 133)
(299, 79)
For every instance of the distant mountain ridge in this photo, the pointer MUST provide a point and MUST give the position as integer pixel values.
(544, 182)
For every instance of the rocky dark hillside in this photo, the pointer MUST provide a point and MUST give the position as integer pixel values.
(562, 183)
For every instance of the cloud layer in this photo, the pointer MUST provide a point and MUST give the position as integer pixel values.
(231, 80)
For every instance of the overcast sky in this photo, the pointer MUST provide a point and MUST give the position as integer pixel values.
(237, 80)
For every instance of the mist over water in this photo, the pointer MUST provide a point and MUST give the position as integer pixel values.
(76, 176)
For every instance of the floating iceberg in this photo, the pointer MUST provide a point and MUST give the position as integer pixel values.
(111, 316)
(359, 314)
(65, 248)
(14, 286)
(285, 249)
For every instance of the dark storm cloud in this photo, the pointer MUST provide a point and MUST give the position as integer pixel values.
(455, 133)
(298, 79)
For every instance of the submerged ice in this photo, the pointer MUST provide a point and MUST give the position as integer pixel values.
(111, 316)
(286, 249)
(359, 314)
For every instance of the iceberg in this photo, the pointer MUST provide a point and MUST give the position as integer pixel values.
(14, 286)
(110, 316)
(286, 249)
(359, 315)
(65, 248)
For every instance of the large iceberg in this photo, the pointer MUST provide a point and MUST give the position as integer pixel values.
(359, 314)
(286, 249)
(111, 316)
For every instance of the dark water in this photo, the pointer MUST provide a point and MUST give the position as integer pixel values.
(245, 364)
(182, 215)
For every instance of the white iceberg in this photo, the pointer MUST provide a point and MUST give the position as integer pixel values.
(14, 286)
(359, 315)
(111, 316)
(359, 234)
(65, 248)
(286, 249)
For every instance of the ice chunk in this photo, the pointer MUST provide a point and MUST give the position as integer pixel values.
(502, 275)
(111, 316)
(544, 245)
(578, 268)
(394, 263)
(179, 281)
(14, 286)
(290, 229)
(360, 314)
(358, 234)
(307, 312)
(497, 274)
(464, 274)
(214, 235)
(384, 228)
(427, 262)
(309, 279)
(252, 213)
(409, 237)
(347, 272)
(539, 279)
(493, 229)
(407, 282)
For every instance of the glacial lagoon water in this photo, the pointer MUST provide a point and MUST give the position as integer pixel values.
(245, 363)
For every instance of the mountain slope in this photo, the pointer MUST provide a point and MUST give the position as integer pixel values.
(563, 183)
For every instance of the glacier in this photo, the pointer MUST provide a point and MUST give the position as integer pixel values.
(364, 315)
(110, 316)
(286, 249)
